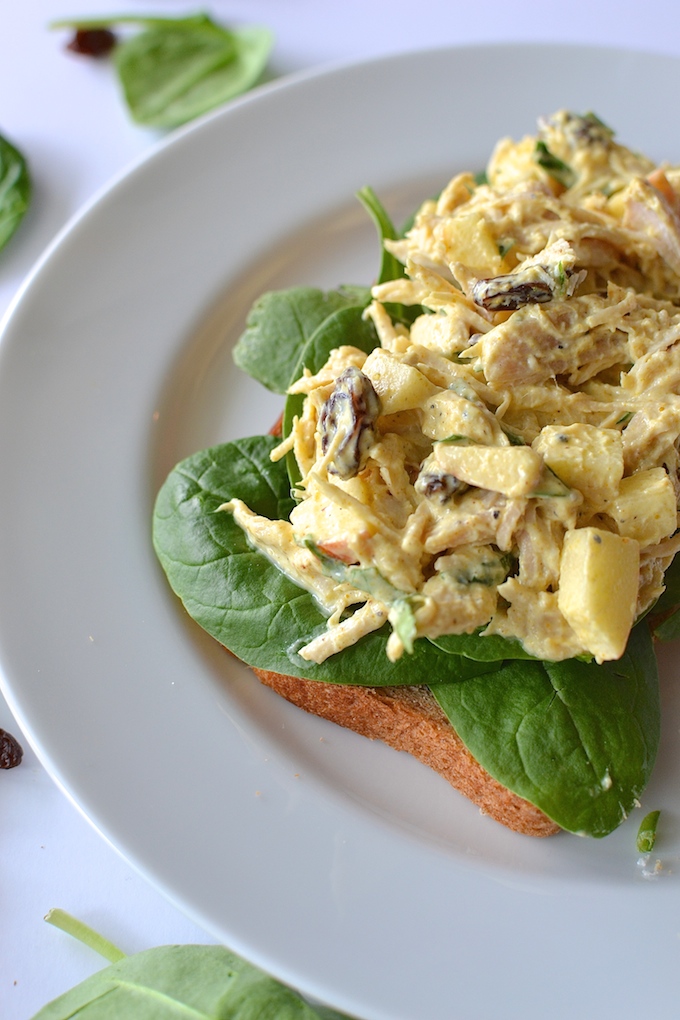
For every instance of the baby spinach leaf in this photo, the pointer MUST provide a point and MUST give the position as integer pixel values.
(15, 189)
(169, 76)
(485, 649)
(241, 598)
(390, 267)
(279, 326)
(175, 69)
(203, 982)
(665, 615)
(576, 739)
(669, 629)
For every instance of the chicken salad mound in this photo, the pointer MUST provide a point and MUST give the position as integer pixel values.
(505, 461)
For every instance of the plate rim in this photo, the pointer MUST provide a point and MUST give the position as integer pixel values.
(9, 688)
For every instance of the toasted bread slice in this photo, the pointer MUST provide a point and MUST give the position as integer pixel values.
(409, 719)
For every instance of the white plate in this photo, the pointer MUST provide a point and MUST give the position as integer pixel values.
(340, 866)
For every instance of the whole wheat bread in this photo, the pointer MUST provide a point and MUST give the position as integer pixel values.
(409, 719)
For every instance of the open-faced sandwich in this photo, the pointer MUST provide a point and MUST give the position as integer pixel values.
(461, 541)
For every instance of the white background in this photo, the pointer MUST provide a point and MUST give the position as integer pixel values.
(65, 114)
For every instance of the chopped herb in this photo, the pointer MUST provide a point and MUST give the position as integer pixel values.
(561, 277)
(403, 623)
(481, 178)
(505, 245)
(595, 121)
(625, 418)
(458, 440)
(558, 170)
(515, 440)
(646, 836)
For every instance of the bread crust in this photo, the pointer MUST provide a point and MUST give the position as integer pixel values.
(409, 719)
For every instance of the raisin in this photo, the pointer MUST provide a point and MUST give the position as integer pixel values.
(439, 485)
(92, 42)
(347, 419)
(11, 751)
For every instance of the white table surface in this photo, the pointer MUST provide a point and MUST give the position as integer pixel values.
(65, 114)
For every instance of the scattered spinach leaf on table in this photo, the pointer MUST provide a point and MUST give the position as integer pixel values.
(204, 982)
(175, 69)
(15, 189)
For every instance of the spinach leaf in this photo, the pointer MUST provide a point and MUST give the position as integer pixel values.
(665, 615)
(576, 739)
(242, 599)
(175, 69)
(279, 326)
(204, 982)
(15, 189)
(485, 649)
(390, 267)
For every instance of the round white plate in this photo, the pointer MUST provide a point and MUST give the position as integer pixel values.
(340, 866)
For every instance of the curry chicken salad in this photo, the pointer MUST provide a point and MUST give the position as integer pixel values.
(506, 460)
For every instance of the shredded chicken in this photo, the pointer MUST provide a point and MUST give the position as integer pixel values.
(535, 397)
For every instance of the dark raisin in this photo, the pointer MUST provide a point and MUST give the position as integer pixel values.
(11, 751)
(92, 42)
(347, 420)
(439, 485)
(507, 293)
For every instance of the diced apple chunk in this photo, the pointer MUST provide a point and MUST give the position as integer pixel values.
(447, 414)
(512, 470)
(399, 386)
(469, 240)
(599, 577)
(585, 457)
(645, 507)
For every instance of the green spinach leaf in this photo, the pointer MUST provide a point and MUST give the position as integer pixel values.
(576, 739)
(279, 326)
(175, 69)
(485, 649)
(390, 267)
(15, 190)
(203, 982)
(241, 598)
(665, 615)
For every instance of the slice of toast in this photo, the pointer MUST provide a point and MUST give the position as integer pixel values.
(409, 719)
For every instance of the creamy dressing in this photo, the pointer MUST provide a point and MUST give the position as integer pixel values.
(536, 395)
